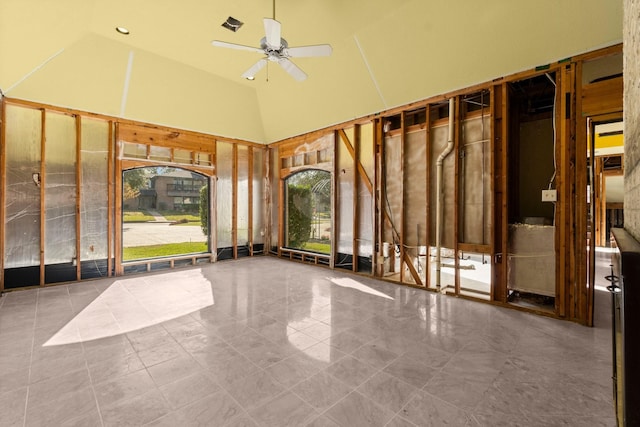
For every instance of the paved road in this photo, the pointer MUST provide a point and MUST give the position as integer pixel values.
(150, 233)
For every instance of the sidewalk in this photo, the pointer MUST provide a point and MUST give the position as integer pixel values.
(156, 215)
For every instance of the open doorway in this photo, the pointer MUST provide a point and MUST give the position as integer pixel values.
(531, 260)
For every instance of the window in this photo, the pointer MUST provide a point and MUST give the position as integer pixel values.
(308, 211)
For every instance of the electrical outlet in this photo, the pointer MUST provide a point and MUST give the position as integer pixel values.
(549, 195)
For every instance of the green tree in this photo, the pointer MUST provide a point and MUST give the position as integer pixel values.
(204, 209)
(299, 213)
(135, 179)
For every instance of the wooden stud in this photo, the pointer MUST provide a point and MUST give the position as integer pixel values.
(378, 265)
(562, 206)
(457, 121)
(401, 179)
(335, 220)
(281, 211)
(427, 189)
(119, 270)
(43, 139)
(355, 229)
(266, 199)
(110, 196)
(213, 214)
(3, 183)
(78, 196)
(501, 195)
(250, 196)
(585, 261)
(234, 198)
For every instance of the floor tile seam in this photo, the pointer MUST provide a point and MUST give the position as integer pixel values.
(282, 393)
(364, 396)
(26, 402)
(317, 411)
(467, 412)
(122, 400)
(414, 392)
(399, 415)
(95, 399)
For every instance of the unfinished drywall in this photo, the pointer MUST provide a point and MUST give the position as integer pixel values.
(475, 181)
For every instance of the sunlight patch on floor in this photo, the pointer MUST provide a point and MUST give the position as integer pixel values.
(135, 303)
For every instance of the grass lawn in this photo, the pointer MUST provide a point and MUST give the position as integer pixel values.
(136, 216)
(324, 248)
(177, 216)
(154, 251)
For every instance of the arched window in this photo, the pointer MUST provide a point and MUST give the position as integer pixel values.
(165, 212)
(308, 211)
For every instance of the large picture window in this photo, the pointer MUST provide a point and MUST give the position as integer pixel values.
(165, 212)
(308, 211)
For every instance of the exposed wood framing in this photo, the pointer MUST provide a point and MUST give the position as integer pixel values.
(213, 212)
(602, 97)
(427, 186)
(457, 120)
(234, 201)
(110, 195)
(266, 199)
(581, 142)
(250, 196)
(119, 269)
(500, 156)
(3, 180)
(401, 192)
(281, 211)
(335, 221)
(78, 195)
(378, 262)
(356, 196)
(43, 138)
(563, 210)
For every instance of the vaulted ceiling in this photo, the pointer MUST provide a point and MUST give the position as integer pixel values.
(386, 53)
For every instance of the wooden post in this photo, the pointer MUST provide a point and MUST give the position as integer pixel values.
(234, 198)
(110, 197)
(427, 187)
(355, 230)
(403, 131)
(250, 196)
(500, 172)
(378, 264)
(78, 195)
(335, 220)
(119, 270)
(3, 183)
(43, 139)
(457, 123)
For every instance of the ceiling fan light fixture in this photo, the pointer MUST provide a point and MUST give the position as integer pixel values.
(232, 24)
(123, 30)
(250, 78)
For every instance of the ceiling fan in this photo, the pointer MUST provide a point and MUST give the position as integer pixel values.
(276, 49)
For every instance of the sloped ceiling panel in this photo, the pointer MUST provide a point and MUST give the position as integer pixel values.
(385, 54)
(34, 31)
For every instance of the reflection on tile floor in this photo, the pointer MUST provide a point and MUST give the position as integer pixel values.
(267, 342)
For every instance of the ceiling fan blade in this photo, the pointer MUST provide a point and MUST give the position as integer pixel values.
(251, 72)
(292, 69)
(236, 46)
(306, 51)
(272, 30)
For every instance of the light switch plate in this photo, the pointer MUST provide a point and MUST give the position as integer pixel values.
(549, 195)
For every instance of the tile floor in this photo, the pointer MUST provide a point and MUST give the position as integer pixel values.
(266, 342)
